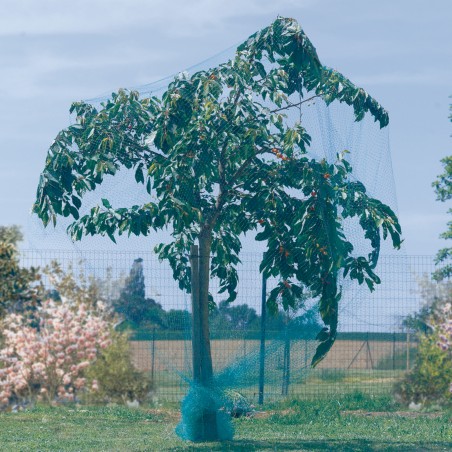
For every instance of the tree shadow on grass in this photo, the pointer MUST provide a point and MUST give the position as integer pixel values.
(358, 445)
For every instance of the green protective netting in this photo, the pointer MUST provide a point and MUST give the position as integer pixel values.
(235, 389)
(109, 189)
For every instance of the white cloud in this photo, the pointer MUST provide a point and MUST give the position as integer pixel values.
(177, 17)
(25, 78)
(46, 43)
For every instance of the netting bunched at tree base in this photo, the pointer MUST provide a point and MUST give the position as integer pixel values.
(224, 152)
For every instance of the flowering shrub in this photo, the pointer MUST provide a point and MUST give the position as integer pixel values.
(444, 328)
(49, 362)
(430, 381)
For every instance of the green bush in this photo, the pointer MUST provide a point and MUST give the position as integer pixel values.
(236, 404)
(117, 379)
(430, 379)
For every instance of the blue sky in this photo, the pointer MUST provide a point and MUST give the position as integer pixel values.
(53, 52)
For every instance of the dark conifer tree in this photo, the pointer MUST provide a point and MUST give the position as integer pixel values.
(132, 303)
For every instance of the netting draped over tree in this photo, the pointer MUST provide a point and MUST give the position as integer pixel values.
(268, 147)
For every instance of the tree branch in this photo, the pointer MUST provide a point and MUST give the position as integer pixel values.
(221, 171)
(295, 105)
(245, 164)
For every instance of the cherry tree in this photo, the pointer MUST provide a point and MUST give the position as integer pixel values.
(219, 159)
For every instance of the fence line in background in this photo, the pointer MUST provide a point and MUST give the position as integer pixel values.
(373, 349)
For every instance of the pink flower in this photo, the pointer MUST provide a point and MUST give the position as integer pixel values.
(79, 383)
(56, 356)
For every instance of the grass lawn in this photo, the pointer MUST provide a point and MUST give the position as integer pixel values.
(327, 382)
(328, 425)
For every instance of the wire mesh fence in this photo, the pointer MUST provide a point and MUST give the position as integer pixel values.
(373, 349)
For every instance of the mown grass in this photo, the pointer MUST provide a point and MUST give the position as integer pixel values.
(293, 425)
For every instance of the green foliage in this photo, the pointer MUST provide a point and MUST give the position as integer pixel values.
(230, 317)
(236, 404)
(218, 163)
(20, 288)
(113, 371)
(430, 379)
(11, 234)
(443, 190)
(226, 320)
(234, 317)
(134, 286)
(73, 284)
(155, 317)
(443, 185)
(298, 321)
(132, 302)
(435, 296)
(116, 376)
(419, 321)
(177, 320)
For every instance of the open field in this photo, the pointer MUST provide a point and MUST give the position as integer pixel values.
(335, 425)
(352, 365)
(353, 354)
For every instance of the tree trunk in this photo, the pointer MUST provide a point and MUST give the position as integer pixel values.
(196, 314)
(205, 242)
(202, 358)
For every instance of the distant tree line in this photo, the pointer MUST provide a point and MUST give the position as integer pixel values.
(143, 313)
(20, 288)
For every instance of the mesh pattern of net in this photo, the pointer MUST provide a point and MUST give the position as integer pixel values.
(130, 192)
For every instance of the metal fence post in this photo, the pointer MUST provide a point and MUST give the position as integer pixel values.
(153, 355)
(408, 346)
(394, 351)
(262, 344)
